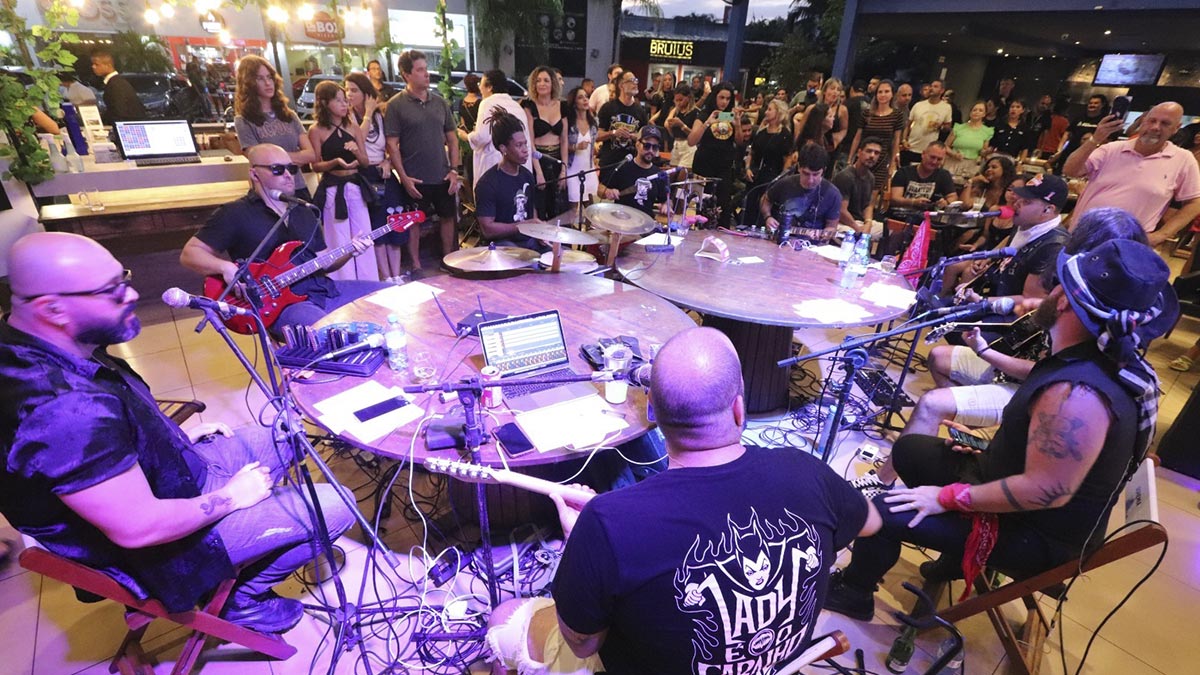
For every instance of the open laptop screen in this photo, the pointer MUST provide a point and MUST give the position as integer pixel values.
(156, 138)
(520, 344)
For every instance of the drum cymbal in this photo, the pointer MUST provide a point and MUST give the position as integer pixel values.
(572, 261)
(552, 233)
(619, 218)
(491, 259)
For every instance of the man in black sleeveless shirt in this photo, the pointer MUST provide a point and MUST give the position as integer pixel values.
(1041, 492)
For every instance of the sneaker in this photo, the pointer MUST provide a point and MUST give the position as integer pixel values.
(267, 613)
(844, 599)
(870, 485)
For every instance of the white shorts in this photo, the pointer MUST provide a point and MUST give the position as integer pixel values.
(966, 368)
(510, 646)
(982, 405)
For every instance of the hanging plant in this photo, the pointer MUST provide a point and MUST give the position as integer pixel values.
(27, 159)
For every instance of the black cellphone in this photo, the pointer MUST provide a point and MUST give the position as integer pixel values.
(512, 439)
(1121, 105)
(968, 440)
(382, 408)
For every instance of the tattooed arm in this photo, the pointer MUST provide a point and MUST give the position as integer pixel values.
(126, 510)
(1067, 427)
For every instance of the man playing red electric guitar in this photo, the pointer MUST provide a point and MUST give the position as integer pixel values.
(236, 229)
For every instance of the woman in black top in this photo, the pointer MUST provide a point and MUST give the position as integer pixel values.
(771, 147)
(660, 100)
(544, 113)
(1013, 136)
(343, 193)
(713, 137)
(678, 122)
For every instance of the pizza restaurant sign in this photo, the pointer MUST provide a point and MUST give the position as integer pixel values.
(324, 27)
(679, 50)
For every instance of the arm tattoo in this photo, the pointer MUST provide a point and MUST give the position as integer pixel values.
(1012, 499)
(214, 502)
(1051, 494)
(1057, 435)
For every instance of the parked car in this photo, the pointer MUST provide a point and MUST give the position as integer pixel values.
(165, 96)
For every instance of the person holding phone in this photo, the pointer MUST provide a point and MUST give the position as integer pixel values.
(713, 136)
(1118, 176)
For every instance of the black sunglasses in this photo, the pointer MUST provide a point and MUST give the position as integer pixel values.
(116, 292)
(278, 169)
(650, 146)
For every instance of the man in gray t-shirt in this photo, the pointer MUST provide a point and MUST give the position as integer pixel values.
(423, 147)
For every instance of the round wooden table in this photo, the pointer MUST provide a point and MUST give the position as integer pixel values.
(755, 304)
(589, 307)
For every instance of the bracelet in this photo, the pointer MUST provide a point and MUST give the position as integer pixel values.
(955, 497)
(981, 351)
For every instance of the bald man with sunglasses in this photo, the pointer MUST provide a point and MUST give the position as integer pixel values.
(235, 230)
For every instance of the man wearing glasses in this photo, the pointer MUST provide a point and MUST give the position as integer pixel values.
(619, 121)
(236, 229)
(637, 184)
(97, 474)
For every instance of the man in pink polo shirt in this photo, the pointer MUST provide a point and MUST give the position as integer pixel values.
(1141, 175)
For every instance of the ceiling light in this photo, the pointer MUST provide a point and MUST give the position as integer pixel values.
(150, 16)
(305, 12)
(1000, 51)
(277, 14)
(1077, 42)
(1108, 32)
(167, 11)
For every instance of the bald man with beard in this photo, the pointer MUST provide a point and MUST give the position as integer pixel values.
(653, 575)
(97, 474)
(1141, 175)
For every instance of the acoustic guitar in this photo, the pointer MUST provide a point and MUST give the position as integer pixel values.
(274, 276)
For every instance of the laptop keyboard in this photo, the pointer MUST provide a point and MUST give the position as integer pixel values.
(166, 161)
(527, 389)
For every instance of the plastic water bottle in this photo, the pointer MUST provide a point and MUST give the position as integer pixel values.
(847, 249)
(74, 161)
(955, 665)
(397, 345)
(862, 254)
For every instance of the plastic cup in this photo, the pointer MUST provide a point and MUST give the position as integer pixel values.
(616, 358)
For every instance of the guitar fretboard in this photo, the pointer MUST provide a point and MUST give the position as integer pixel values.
(329, 257)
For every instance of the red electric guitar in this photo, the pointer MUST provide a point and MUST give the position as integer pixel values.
(274, 276)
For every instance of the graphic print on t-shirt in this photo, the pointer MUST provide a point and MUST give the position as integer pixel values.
(643, 191)
(918, 190)
(752, 594)
(628, 123)
(519, 201)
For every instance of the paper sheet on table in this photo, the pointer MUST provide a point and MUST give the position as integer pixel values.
(830, 310)
(828, 252)
(580, 423)
(337, 412)
(404, 298)
(658, 239)
(889, 296)
(750, 260)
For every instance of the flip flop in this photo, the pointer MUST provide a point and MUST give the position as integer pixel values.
(1182, 364)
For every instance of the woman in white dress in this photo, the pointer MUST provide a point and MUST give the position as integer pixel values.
(581, 139)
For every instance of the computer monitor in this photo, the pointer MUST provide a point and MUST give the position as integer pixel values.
(156, 138)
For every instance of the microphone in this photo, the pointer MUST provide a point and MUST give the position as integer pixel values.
(989, 306)
(628, 158)
(639, 376)
(1003, 212)
(373, 341)
(179, 298)
(663, 175)
(281, 196)
(538, 155)
(1006, 252)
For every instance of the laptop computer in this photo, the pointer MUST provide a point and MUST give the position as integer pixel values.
(157, 142)
(531, 345)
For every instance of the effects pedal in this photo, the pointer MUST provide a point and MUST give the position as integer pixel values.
(870, 454)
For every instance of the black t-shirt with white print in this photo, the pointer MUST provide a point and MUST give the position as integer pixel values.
(503, 197)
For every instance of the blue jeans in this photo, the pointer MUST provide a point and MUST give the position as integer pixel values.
(273, 538)
(311, 310)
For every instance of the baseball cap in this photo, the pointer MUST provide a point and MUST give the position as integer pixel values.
(1046, 187)
(651, 131)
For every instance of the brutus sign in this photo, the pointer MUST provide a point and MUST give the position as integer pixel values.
(678, 50)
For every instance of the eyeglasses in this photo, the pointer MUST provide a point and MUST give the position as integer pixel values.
(115, 292)
(651, 146)
(278, 169)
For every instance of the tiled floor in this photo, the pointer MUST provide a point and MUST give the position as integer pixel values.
(44, 630)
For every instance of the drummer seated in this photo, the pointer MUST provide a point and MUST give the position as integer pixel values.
(504, 194)
(637, 184)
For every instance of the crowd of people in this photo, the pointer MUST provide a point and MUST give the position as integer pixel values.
(1073, 408)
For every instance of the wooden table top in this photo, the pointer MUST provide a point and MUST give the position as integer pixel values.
(589, 307)
(761, 293)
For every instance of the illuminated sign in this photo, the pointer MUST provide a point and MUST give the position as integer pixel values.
(212, 22)
(680, 50)
(323, 27)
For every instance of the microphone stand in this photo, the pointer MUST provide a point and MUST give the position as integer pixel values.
(761, 187)
(855, 358)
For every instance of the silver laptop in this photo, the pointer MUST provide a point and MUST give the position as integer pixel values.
(158, 142)
(531, 345)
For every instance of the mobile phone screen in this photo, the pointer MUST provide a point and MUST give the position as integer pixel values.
(382, 408)
(512, 439)
(968, 440)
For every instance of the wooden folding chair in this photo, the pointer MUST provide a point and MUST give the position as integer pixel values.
(1024, 649)
(179, 411)
(130, 659)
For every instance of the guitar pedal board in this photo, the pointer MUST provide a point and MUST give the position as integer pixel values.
(305, 345)
(880, 388)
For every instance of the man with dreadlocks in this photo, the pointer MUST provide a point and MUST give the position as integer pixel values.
(504, 195)
(1075, 430)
